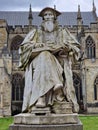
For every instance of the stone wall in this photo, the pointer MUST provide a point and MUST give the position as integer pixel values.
(3, 33)
(5, 73)
(5, 90)
(90, 71)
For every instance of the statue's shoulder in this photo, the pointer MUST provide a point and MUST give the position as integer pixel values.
(60, 28)
(32, 31)
(29, 36)
(39, 29)
(39, 32)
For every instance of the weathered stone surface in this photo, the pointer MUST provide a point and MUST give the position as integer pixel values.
(5, 91)
(29, 119)
(40, 111)
(3, 33)
(62, 108)
(77, 126)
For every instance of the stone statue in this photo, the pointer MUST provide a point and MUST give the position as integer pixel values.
(46, 55)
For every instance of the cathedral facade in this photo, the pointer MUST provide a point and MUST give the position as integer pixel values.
(14, 26)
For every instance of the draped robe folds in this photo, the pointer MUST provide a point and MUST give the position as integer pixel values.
(43, 69)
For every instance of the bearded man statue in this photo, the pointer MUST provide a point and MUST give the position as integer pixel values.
(46, 55)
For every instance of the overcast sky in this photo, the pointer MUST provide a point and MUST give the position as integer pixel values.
(37, 5)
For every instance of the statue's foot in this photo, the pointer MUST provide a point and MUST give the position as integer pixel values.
(57, 86)
(59, 95)
(60, 98)
(41, 102)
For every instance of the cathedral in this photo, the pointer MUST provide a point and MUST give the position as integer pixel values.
(14, 26)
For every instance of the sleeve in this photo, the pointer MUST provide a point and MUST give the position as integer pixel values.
(25, 49)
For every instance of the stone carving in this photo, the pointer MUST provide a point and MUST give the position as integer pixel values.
(46, 55)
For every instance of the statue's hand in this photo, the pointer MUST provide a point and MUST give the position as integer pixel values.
(71, 53)
(39, 45)
(62, 53)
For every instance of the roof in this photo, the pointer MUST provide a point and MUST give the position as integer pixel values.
(66, 18)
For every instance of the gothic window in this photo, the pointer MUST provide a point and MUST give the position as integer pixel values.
(96, 89)
(78, 86)
(15, 46)
(90, 48)
(17, 87)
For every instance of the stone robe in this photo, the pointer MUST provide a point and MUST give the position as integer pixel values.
(45, 64)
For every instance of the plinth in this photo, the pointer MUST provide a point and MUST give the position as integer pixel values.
(42, 119)
(30, 121)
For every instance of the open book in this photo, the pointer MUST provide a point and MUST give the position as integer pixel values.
(53, 49)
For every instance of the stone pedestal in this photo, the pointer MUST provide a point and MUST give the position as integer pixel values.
(30, 121)
(43, 119)
(47, 127)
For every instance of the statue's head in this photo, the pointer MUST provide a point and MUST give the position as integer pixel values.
(49, 14)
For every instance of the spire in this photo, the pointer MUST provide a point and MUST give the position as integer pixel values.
(80, 28)
(30, 18)
(94, 10)
(55, 7)
(79, 13)
(30, 13)
(94, 7)
(79, 17)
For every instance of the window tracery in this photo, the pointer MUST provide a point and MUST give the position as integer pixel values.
(15, 46)
(17, 87)
(78, 86)
(90, 48)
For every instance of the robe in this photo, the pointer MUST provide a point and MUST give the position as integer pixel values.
(43, 69)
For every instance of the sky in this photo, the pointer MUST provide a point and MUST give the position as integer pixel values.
(38, 5)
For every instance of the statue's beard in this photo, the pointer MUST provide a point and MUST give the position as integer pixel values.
(48, 26)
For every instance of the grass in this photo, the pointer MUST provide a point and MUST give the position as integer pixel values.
(89, 122)
(5, 122)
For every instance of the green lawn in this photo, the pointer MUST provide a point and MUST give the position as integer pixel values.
(5, 122)
(89, 122)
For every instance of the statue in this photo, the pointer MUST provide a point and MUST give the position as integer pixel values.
(46, 55)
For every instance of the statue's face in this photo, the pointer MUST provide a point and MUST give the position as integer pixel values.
(48, 16)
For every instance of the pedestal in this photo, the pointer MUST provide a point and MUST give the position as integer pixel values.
(47, 127)
(30, 121)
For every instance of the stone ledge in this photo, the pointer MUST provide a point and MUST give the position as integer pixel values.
(31, 119)
(78, 126)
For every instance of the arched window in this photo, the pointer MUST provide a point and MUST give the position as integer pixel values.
(96, 89)
(78, 87)
(15, 46)
(17, 87)
(90, 48)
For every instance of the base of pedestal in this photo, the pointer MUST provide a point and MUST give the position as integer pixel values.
(29, 121)
(78, 126)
